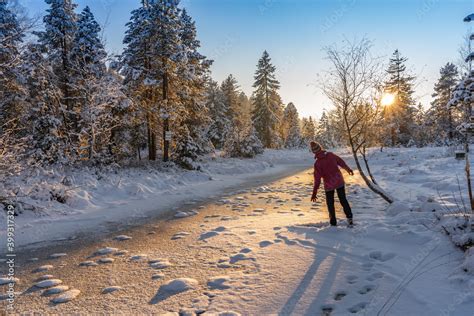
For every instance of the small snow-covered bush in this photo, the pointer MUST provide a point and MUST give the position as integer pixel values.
(247, 145)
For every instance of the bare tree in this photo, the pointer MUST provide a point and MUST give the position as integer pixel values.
(350, 85)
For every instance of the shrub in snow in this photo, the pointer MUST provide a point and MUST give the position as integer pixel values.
(245, 145)
(187, 150)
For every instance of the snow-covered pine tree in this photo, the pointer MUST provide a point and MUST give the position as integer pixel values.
(230, 89)
(45, 117)
(57, 38)
(90, 86)
(243, 144)
(12, 92)
(136, 68)
(11, 37)
(186, 151)
(323, 131)
(308, 130)
(217, 108)
(266, 101)
(400, 114)
(192, 75)
(442, 118)
(291, 127)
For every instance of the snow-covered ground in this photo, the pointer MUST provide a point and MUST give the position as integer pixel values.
(97, 200)
(267, 250)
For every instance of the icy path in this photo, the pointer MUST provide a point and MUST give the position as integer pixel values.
(261, 251)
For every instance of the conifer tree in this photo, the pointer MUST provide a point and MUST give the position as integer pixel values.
(400, 114)
(11, 37)
(220, 123)
(266, 101)
(440, 115)
(230, 89)
(291, 126)
(57, 39)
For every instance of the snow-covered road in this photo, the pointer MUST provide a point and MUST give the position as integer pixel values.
(264, 250)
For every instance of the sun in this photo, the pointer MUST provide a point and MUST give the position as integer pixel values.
(387, 99)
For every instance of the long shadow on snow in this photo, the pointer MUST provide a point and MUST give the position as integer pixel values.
(321, 255)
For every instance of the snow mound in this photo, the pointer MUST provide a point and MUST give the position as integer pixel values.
(4, 281)
(106, 260)
(138, 257)
(122, 237)
(56, 290)
(57, 255)
(44, 277)
(105, 251)
(111, 289)
(397, 207)
(66, 297)
(160, 263)
(182, 214)
(179, 285)
(48, 283)
(44, 268)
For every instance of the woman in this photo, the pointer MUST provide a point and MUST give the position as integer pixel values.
(327, 167)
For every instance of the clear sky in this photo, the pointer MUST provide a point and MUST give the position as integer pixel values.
(235, 32)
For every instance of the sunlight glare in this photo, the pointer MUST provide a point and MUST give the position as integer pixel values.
(387, 99)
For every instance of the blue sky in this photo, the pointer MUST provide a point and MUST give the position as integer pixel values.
(235, 32)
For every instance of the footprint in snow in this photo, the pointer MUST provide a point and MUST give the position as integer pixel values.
(208, 235)
(219, 283)
(327, 309)
(366, 289)
(240, 257)
(245, 250)
(351, 279)
(357, 308)
(378, 255)
(265, 243)
(375, 276)
(340, 295)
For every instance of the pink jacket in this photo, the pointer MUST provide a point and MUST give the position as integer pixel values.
(327, 167)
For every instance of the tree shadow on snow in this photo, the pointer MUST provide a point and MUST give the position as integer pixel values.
(322, 253)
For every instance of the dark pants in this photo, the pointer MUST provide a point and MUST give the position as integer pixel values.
(341, 194)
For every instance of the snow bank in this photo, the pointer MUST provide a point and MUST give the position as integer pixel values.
(59, 204)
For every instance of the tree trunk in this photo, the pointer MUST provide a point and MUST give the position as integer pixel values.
(366, 162)
(369, 183)
(166, 123)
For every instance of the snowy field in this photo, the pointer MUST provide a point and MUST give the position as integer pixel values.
(266, 249)
(93, 200)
